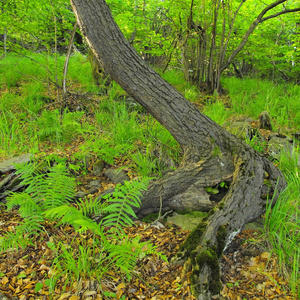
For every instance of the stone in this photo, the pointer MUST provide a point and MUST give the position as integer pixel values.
(93, 190)
(116, 176)
(3, 297)
(80, 195)
(241, 129)
(9, 164)
(95, 183)
(265, 121)
(194, 198)
(186, 222)
(98, 167)
(277, 144)
(296, 136)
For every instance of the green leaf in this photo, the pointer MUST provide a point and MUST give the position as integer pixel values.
(38, 287)
(48, 282)
(215, 191)
(22, 275)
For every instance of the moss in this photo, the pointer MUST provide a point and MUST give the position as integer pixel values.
(192, 241)
(212, 211)
(192, 213)
(221, 239)
(150, 218)
(210, 258)
(217, 151)
(219, 206)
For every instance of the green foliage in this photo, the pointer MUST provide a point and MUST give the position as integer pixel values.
(282, 224)
(80, 72)
(120, 203)
(15, 131)
(59, 128)
(47, 197)
(145, 164)
(216, 111)
(250, 97)
(124, 128)
(40, 194)
(257, 144)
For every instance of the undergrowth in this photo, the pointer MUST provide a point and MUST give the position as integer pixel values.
(282, 224)
(115, 130)
(48, 198)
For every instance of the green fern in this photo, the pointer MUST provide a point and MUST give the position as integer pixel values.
(91, 206)
(59, 128)
(47, 197)
(42, 192)
(120, 203)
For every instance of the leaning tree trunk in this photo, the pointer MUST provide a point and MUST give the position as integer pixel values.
(211, 154)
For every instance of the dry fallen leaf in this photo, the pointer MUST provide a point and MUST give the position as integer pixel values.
(64, 296)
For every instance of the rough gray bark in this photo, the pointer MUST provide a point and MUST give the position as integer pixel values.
(211, 154)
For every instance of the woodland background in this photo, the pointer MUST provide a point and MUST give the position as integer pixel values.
(79, 124)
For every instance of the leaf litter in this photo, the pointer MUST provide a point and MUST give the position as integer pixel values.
(249, 272)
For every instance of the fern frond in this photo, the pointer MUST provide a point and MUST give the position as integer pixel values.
(90, 206)
(14, 240)
(70, 215)
(119, 204)
(59, 188)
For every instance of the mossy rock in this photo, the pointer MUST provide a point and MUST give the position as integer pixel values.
(187, 221)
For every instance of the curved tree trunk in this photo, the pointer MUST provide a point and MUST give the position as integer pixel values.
(211, 154)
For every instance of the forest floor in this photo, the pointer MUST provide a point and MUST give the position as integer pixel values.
(248, 271)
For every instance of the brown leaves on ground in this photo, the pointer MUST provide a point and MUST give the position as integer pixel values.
(247, 273)
(252, 273)
(25, 274)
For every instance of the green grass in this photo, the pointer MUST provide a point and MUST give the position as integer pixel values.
(282, 224)
(217, 112)
(251, 96)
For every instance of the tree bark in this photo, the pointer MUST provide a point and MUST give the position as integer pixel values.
(211, 154)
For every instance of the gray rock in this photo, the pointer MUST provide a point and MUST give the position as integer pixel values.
(194, 198)
(10, 183)
(241, 129)
(296, 136)
(93, 190)
(256, 225)
(95, 183)
(186, 222)
(3, 297)
(277, 144)
(80, 194)
(116, 176)
(9, 164)
(265, 121)
(98, 167)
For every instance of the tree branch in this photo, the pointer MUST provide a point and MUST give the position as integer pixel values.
(251, 29)
(280, 13)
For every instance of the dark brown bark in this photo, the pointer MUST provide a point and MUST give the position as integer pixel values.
(211, 154)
